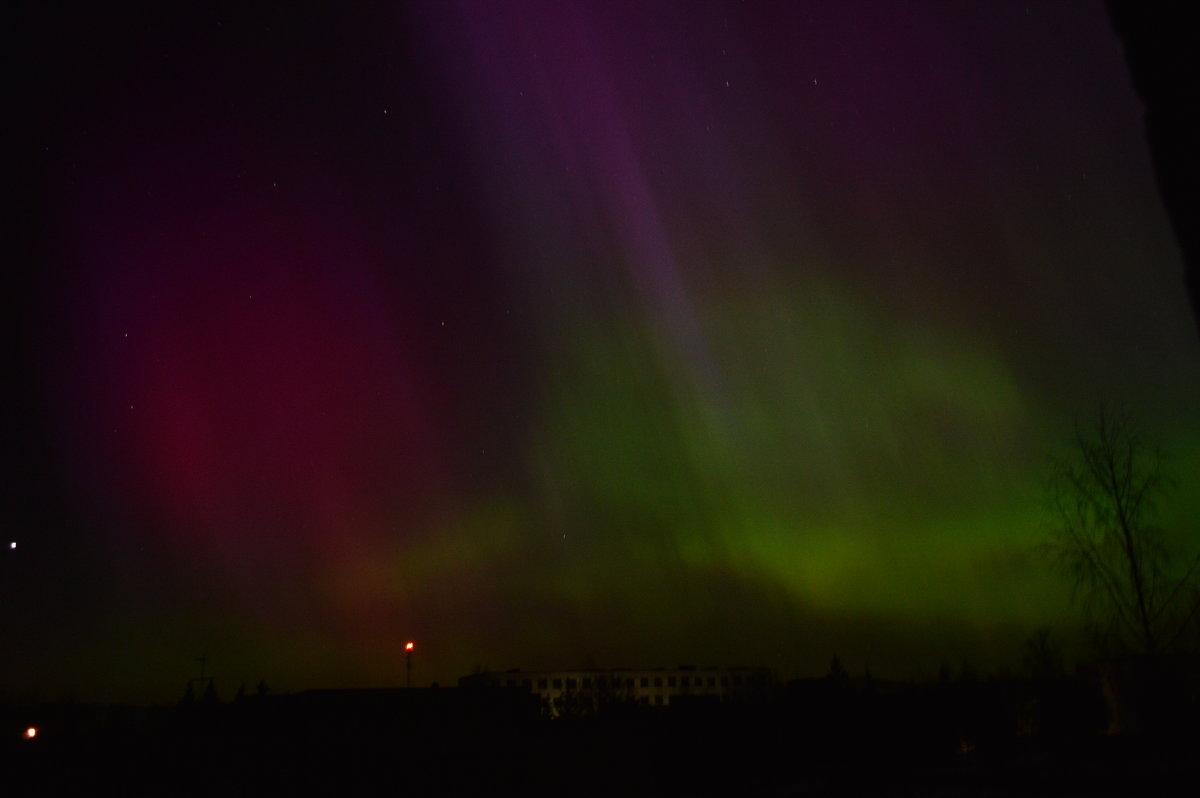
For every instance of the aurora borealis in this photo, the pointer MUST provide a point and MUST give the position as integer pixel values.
(537, 332)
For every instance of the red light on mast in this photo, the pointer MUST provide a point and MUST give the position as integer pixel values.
(408, 646)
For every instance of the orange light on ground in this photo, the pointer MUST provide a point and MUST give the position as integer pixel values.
(30, 733)
(408, 646)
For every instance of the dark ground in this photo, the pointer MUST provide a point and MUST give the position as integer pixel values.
(940, 743)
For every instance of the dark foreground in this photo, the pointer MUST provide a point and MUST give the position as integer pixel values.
(423, 743)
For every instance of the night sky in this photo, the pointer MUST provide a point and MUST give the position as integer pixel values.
(543, 333)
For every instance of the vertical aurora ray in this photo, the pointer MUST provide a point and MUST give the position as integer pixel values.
(649, 331)
(782, 309)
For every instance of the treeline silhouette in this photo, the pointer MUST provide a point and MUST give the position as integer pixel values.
(833, 735)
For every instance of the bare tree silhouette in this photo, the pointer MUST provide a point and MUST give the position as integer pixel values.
(1137, 597)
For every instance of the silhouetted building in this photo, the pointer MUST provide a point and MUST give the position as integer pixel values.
(584, 691)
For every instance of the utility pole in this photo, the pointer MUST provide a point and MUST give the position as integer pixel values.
(197, 685)
(204, 681)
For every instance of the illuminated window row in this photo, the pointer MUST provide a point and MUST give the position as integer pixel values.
(635, 686)
(627, 682)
